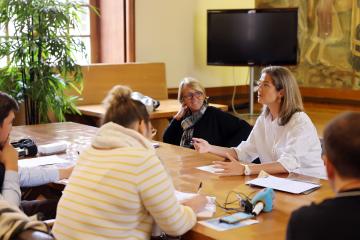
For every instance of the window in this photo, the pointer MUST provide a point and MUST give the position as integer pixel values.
(82, 33)
(2, 35)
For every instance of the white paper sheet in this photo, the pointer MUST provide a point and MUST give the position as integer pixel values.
(283, 184)
(40, 161)
(210, 168)
(217, 225)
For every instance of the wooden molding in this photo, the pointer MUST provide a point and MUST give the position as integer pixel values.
(130, 30)
(223, 95)
(217, 91)
(95, 38)
(330, 95)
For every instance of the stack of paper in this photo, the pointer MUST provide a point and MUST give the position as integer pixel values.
(210, 168)
(283, 184)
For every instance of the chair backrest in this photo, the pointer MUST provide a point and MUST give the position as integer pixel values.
(147, 78)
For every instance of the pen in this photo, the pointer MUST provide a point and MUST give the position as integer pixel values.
(199, 188)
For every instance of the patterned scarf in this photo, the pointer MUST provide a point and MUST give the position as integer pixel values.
(188, 126)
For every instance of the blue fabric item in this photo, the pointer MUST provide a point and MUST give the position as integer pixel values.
(36, 176)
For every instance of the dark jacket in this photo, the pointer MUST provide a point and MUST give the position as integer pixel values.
(336, 218)
(217, 127)
(2, 175)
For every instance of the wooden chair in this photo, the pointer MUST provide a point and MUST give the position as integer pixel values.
(147, 78)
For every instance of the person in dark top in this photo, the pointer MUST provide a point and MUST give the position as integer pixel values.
(197, 119)
(336, 218)
(2, 175)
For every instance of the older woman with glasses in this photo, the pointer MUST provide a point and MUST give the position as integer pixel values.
(197, 119)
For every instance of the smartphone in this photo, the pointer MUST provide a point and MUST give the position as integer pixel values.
(235, 218)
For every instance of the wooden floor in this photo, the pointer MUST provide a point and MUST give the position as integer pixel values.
(319, 113)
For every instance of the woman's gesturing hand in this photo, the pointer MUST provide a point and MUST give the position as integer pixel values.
(232, 168)
(201, 145)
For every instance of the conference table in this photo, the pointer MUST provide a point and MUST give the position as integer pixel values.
(159, 118)
(181, 165)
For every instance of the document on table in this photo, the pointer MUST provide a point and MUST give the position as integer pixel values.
(209, 209)
(217, 225)
(283, 184)
(210, 168)
(41, 161)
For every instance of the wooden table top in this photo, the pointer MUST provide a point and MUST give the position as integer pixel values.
(167, 109)
(180, 164)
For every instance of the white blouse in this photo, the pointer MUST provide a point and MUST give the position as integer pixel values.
(296, 145)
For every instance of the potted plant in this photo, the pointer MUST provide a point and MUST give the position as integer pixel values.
(40, 56)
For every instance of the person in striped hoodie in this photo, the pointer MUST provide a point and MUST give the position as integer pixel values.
(119, 189)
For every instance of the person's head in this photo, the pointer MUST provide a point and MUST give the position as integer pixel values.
(278, 86)
(342, 146)
(8, 107)
(127, 112)
(191, 93)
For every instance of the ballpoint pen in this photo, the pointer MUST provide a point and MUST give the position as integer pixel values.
(199, 188)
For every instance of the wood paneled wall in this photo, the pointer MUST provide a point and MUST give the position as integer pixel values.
(223, 95)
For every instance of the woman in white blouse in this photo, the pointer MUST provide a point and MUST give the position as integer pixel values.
(284, 138)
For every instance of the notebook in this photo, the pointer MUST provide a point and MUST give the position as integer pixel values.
(284, 184)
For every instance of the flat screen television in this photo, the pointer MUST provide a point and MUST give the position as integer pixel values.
(252, 37)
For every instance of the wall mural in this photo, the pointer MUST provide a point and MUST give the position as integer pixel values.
(329, 41)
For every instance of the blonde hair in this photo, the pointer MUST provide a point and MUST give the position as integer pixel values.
(291, 102)
(191, 83)
(122, 109)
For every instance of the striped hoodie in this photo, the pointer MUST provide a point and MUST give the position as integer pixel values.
(117, 189)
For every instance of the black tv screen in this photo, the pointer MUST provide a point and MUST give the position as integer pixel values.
(252, 37)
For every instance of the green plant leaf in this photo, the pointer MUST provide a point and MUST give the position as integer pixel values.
(41, 64)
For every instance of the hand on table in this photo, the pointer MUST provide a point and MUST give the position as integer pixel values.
(232, 168)
(65, 173)
(9, 156)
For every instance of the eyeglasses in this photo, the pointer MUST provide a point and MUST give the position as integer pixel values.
(196, 94)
